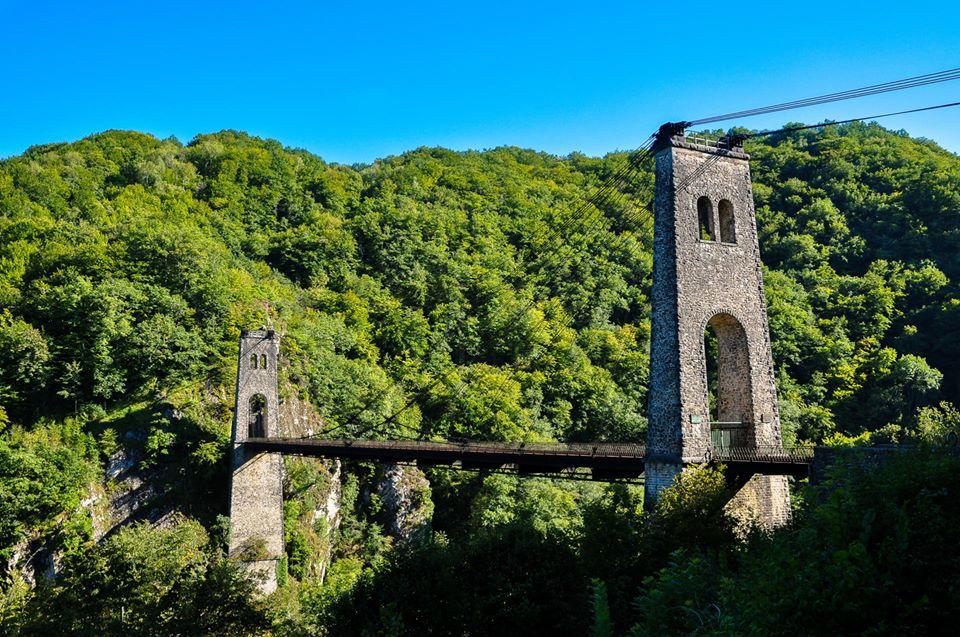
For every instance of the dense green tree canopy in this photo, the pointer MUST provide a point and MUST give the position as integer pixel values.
(453, 294)
(129, 263)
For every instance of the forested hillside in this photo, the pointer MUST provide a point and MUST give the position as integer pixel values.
(468, 286)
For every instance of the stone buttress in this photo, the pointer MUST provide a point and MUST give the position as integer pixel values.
(256, 491)
(707, 274)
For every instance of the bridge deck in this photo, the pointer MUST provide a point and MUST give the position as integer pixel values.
(603, 459)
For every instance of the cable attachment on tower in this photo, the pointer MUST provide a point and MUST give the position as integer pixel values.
(668, 130)
(732, 142)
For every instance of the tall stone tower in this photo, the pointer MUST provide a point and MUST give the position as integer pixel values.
(707, 276)
(256, 491)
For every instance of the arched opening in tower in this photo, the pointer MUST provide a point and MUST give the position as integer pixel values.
(707, 230)
(728, 227)
(257, 427)
(729, 396)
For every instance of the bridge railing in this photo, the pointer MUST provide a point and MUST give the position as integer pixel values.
(530, 451)
(702, 141)
(606, 449)
(772, 454)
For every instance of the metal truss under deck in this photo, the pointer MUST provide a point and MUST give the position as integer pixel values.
(606, 461)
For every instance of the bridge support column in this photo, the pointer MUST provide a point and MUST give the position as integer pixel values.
(707, 276)
(256, 490)
(657, 476)
(763, 500)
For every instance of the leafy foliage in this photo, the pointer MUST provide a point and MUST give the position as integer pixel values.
(42, 480)
(129, 263)
(147, 582)
(462, 291)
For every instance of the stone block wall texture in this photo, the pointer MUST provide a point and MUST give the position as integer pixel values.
(256, 490)
(763, 500)
(657, 476)
(699, 283)
(825, 459)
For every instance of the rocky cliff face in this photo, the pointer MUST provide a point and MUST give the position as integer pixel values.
(298, 417)
(327, 517)
(128, 493)
(403, 490)
(407, 506)
(314, 486)
(31, 560)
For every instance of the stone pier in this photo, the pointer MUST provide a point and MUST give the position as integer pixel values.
(256, 491)
(707, 276)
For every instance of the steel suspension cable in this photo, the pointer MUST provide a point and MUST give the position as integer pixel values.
(874, 89)
(791, 129)
(641, 220)
(603, 196)
(632, 164)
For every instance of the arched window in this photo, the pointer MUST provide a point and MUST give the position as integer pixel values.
(728, 227)
(257, 426)
(729, 398)
(705, 216)
(263, 361)
(253, 361)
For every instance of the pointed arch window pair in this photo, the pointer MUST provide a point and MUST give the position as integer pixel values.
(258, 362)
(708, 226)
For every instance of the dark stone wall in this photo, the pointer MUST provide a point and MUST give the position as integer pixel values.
(700, 283)
(256, 490)
(826, 458)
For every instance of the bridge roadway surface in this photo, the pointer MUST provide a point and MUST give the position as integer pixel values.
(605, 460)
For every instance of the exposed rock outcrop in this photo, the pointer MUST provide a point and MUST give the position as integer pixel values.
(298, 417)
(33, 560)
(407, 507)
(128, 494)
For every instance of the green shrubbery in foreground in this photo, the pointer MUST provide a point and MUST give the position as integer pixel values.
(871, 551)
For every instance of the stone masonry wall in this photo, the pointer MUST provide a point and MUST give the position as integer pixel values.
(699, 283)
(256, 491)
(763, 500)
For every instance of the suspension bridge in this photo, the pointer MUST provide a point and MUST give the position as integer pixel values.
(707, 275)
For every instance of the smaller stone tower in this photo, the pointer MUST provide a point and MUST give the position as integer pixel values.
(256, 491)
(707, 276)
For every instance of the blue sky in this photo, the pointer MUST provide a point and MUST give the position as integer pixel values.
(353, 81)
